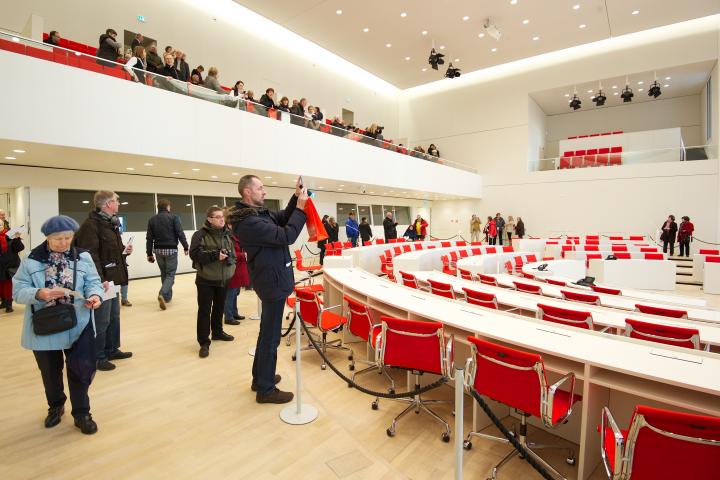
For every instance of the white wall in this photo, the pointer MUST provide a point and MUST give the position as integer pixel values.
(538, 131)
(683, 112)
(239, 52)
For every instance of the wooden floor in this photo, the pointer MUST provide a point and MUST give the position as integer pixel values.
(165, 413)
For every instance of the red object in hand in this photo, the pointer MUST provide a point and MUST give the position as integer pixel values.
(315, 227)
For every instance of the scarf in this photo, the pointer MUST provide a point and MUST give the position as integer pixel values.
(59, 273)
(3, 240)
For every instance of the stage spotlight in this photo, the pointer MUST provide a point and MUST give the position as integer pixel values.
(435, 59)
(654, 90)
(627, 94)
(599, 99)
(575, 103)
(452, 72)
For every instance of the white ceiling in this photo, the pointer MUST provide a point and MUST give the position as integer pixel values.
(53, 156)
(555, 22)
(684, 80)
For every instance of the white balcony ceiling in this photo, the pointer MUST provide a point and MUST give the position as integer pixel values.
(555, 22)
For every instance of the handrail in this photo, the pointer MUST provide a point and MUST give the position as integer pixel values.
(161, 81)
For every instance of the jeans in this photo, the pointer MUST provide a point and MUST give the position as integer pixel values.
(168, 266)
(509, 234)
(265, 360)
(80, 358)
(499, 238)
(685, 247)
(667, 243)
(107, 323)
(354, 241)
(124, 293)
(231, 310)
(211, 303)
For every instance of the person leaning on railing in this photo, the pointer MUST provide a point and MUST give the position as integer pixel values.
(267, 98)
(182, 66)
(136, 66)
(432, 150)
(154, 61)
(168, 69)
(108, 48)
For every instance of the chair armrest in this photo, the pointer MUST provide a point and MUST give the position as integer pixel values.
(469, 372)
(331, 308)
(423, 285)
(605, 329)
(607, 420)
(548, 414)
(449, 355)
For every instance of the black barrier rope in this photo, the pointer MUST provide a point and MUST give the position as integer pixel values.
(362, 389)
(310, 251)
(450, 238)
(290, 327)
(511, 438)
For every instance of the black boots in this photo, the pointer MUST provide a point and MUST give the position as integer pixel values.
(7, 305)
(53, 416)
(86, 424)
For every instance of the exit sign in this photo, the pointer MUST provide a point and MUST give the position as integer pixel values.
(141, 18)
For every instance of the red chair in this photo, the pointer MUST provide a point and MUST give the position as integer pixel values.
(648, 250)
(603, 157)
(476, 251)
(573, 296)
(369, 242)
(518, 380)
(606, 290)
(417, 346)
(528, 288)
(379, 241)
(482, 299)
(461, 243)
(619, 248)
(531, 258)
(661, 311)
(442, 289)
(654, 256)
(618, 132)
(508, 249)
(304, 268)
(314, 314)
(466, 274)
(592, 248)
(615, 156)
(591, 256)
(590, 157)
(661, 444)
(712, 259)
(527, 275)
(491, 250)
(488, 279)
(578, 159)
(407, 248)
(637, 238)
(509, 268)
(623, 255)
(445, 244)
(706, 251)
(409, 280)
(347, 245)
(667, 334)
(558, 283)
(464, 254)
(518, 264)
(613, 238)
(565, 316)
(360, 324)
(448, 267)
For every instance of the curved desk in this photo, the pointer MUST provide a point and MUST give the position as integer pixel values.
(429, 259)
(634, 273)
(368, 257)
(611, 370)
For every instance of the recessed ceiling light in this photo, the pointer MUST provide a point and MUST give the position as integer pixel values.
(456, 60)
(342, 185)
(321, 187)
(388, 45)
(213, 176)
(640, 82)
(17, 150)
(614, 86)
(372, 192)
(666, 85)
(640, 89)
(15, 39)
(616, 93)
(590, 91)
(339, 12)
(195, 169)
(442, 47)
(130, 168)
(148, 164)
(567, 94)
(424, 69)
(582, 25)
(466, 18)
(176, 173)
(9, 158)
(576, 7)
(526, 21)
(274, 183)
(235, 174)
(635, 12)
(188, 204)
(493, 49)
(536, 38)
(340, 189)
(86, 201)
(667, 78)
(366, 30)
(123, 203)
(424, 32)
(403, 14)
(407, 58)
(268, 177)
(513, 2)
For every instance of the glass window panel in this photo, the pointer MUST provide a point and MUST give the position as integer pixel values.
(343, 209)
(364, 211)
(180, 205)
(377, 214)
(201, 206)
(135, 210)
(402, 215)
(76, 204)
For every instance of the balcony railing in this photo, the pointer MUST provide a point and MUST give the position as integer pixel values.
(26, 46)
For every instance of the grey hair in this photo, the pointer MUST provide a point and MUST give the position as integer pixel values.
(102, 197)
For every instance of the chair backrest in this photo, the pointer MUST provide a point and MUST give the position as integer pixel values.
(308, 305)
(465, 274)
(528, 288)
(661, 311)
(454, 256)
(565, 316)
(461, 243)
(408, 279)
(379, 241)
(648, 249)
(531, 258)
(558, 283)
(506, 375)
(574, 296)
(667, 334)
(476, 251)
(592, 248)
(636, 238)
(464, 254)
(619, 248)
(507, 249)
(359, 321)
(407, 248)
(488, 279)
(441, 289)
(622, 255)
(654, 256)
(487, 300)
(708, 251)
(606, 290)
(667, 444)
(366, 243)
(412, 344)
(712, 259)
(397, 251)
(491, 250)
(518, 261)
(445, 244)
(509, 267)
(529, 276)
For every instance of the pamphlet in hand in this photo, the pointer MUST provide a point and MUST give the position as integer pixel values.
(70, 293)
(112, 291)
(14, 231)
(129, 244)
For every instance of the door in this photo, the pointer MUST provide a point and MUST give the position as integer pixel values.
(348, 117)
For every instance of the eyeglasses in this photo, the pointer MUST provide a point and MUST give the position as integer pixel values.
(218, 217)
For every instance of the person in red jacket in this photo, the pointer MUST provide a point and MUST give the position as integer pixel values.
(685, 234)
(420, 226)
(240, 279)
(490, 231)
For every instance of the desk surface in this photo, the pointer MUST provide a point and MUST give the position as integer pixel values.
(688, 369)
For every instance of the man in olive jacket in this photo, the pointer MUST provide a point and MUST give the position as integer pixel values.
(213, 254)
(265, 236)
(100, 235)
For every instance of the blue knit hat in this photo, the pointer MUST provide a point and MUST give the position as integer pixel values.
(59, 223)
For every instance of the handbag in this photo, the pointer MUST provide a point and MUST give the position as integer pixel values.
(56, 318)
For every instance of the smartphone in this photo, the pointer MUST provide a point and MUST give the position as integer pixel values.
(301, 182)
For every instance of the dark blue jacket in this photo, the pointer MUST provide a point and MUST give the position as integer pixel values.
(164, 230)
(265, 236)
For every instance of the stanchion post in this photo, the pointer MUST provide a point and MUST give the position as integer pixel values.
(259, 310)
(459, 416)
(298, 414)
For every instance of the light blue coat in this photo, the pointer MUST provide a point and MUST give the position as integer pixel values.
(30, 277)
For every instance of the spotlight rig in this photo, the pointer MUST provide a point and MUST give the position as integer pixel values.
(575, 103)
(435, 59)
(654, 90)
(627, 94)
(599, 99)
(452, 72)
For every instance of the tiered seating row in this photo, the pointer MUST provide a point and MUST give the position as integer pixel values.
(593, 157)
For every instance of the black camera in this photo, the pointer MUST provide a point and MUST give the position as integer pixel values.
(380, 129)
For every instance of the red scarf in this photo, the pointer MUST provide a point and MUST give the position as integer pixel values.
(3, 241)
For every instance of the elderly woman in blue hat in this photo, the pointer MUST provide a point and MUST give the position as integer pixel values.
(56, 273)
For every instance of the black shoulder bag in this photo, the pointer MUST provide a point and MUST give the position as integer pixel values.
(59, 317)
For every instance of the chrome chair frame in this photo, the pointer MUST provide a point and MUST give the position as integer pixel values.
(371, 365)
(336, 344)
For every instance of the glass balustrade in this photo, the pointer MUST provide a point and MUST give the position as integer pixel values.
(82, 56)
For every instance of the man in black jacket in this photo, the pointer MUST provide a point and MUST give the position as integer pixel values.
(182, 67)
(154, 62)
(169, 68)
(100, 235)
(164, 231)
(267, 98)
(390, 227)
(265, 237)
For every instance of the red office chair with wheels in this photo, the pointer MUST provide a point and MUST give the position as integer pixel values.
(565, 316)
(557, 283)
(606, 290)
(667, 334)
(481, 299)
(466, 274)
(518, 380)
(488, 279)
(316, 315)
(573, 296)
(305, 268)
(528, 288)
(442, 289)
(417, 346)
(663, 312)
(360, 324)
(410, 280)
(661, 444)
